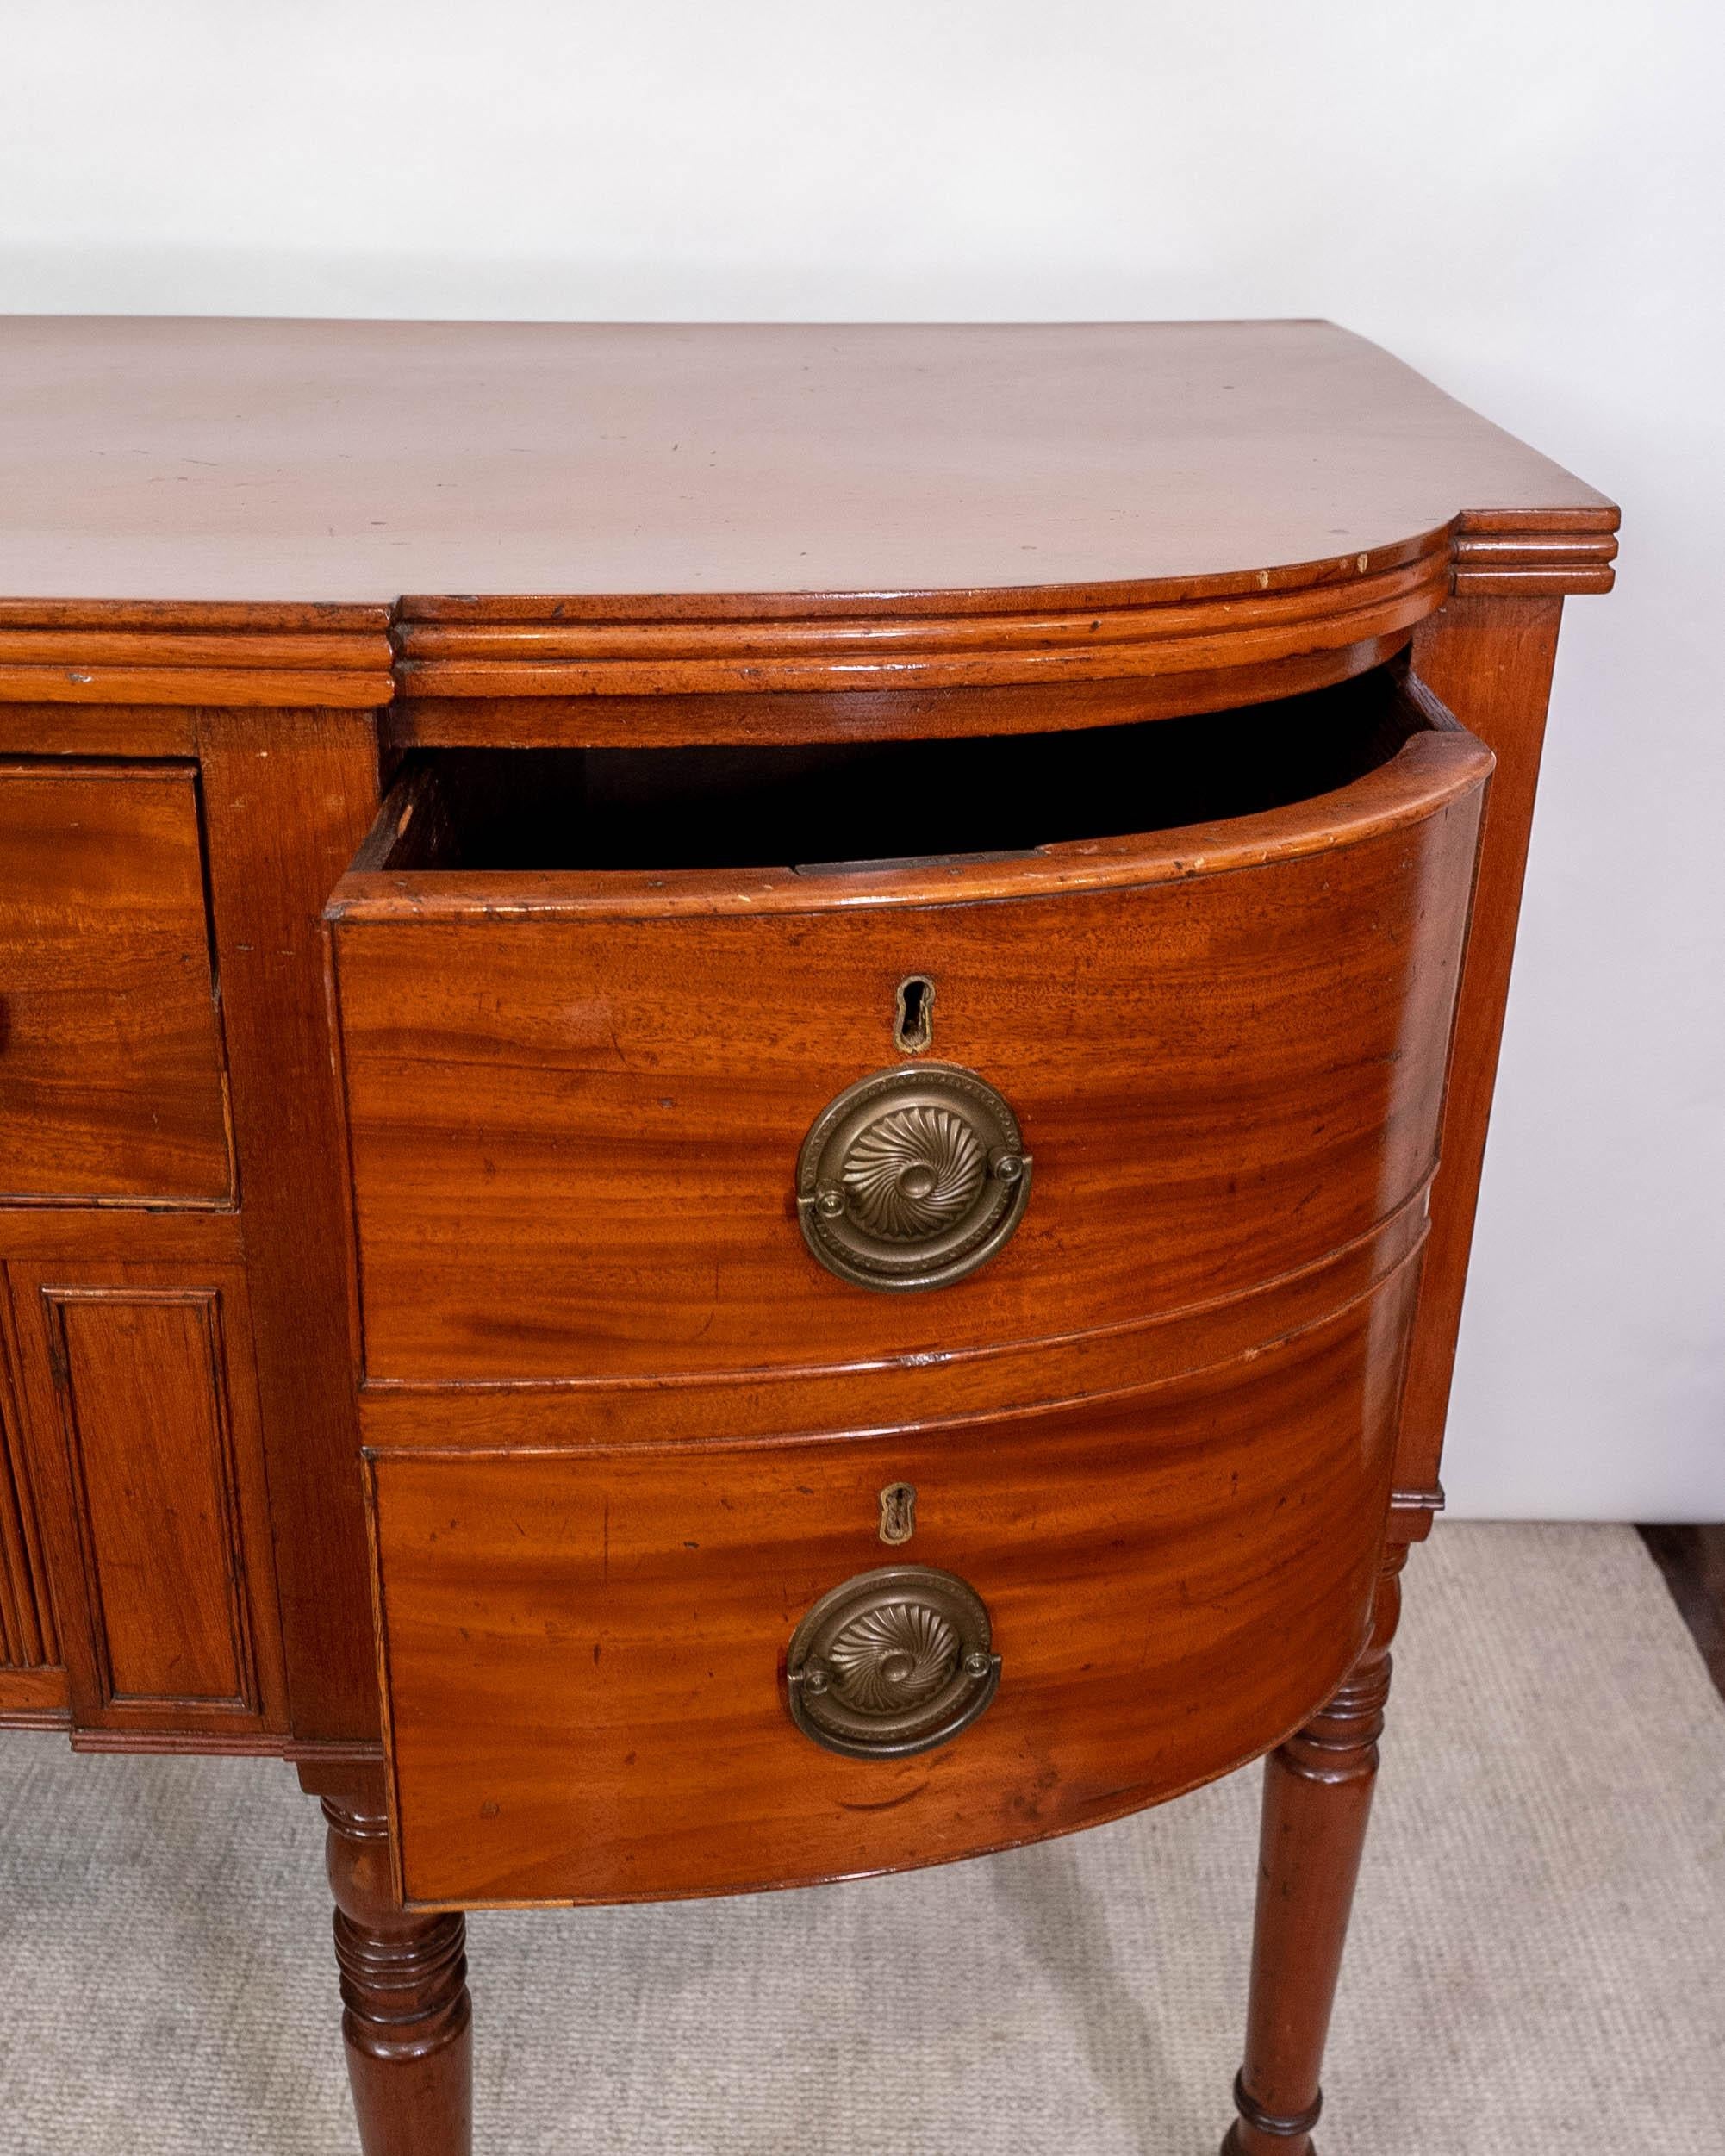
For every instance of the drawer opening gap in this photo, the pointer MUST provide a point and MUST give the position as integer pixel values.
(827, 808)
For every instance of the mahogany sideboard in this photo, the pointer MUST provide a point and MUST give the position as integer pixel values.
(742, 1075)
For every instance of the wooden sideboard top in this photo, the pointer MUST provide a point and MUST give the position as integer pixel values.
(279, 514)
(296, 463)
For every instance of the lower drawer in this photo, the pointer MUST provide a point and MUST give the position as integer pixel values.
(588, 1654)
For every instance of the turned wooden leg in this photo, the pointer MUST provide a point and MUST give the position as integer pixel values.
(1317, 1796)
(408, 2022)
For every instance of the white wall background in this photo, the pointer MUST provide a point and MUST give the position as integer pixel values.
(1525, 199)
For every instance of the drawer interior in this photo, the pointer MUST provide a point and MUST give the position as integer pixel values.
(811, 807)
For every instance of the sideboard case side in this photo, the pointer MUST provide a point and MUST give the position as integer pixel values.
(1489, 659)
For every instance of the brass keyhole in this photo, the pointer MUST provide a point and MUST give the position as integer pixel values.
(898, 1513)
(914, 1022)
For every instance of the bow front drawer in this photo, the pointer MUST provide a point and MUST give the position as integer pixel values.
(623, 1670)
(640, 1084)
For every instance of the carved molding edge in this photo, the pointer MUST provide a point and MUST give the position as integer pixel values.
(365, 656)
(755, 643)
(88, 652)
(1529, 553)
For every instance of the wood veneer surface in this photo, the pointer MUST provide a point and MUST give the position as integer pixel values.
(300, 462)
(112, 1086)
(573, 1132)
(583, 1650)
(236, 541)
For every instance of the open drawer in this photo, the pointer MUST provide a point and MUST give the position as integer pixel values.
(1152, 1015)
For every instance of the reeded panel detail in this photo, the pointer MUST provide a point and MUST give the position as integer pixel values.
(28, 1637)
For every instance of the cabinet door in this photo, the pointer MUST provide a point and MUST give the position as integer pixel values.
(112, 1086)
(143, 1416)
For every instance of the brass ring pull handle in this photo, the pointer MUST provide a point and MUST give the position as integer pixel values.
(893, 1661)
(912, 1178)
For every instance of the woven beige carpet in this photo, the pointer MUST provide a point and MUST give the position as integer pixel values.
(1538, 1958)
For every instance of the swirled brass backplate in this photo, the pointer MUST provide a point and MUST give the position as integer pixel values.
(912, 1178)
(893, 1661)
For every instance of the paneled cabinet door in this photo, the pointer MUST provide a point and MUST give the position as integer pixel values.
(142, 1419)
